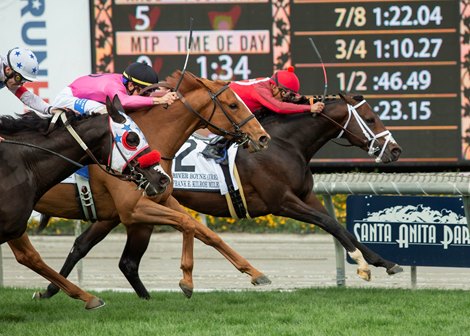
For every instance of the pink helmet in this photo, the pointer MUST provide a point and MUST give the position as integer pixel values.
(287, 79)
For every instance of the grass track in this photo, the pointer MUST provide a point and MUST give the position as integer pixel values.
(317, 311)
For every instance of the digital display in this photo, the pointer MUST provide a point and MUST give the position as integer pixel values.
(410, 59)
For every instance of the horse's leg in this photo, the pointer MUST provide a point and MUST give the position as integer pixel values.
(146, 211)
(82, 245)
(209, 237)
(312, 211)
(26, 255)
(138, 238)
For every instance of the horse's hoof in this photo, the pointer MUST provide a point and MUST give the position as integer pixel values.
(364, 274)
(395, 269)
(94, 303)
(187, 289)
(37, 296)
(261, 280)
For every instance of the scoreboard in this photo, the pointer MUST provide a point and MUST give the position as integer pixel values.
(410, 59)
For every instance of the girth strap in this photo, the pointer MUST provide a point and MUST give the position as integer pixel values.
(235, 199)
(86, 198)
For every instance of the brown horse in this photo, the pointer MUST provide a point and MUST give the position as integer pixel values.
(202, 103)
(34, 159)
(276, 181)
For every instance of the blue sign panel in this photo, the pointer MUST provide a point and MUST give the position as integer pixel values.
(414, 231)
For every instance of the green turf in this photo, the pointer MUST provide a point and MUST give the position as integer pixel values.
(318, 311)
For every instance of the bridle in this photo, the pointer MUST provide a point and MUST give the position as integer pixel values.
(238, 135)
(134, 176)
(372, 139)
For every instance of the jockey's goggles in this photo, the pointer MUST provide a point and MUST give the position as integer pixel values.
(18, 78)
(287, 95)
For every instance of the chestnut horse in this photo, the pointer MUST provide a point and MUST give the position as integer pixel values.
(276, 181)
(202, 103)
(34, 158)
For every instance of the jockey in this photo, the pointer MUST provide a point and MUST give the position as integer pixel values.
(87, 94)
(18, 67)
(277, 93)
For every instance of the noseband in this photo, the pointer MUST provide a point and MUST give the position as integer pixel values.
(238, 135)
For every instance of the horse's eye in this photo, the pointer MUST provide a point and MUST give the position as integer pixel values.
(233, 106)
(370, 121)
(130, 140)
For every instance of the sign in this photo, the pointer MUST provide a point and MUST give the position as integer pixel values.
(62, 46)
(408, 58)
(414, 231)
(231, 39)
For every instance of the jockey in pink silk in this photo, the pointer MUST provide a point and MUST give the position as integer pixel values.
(87, 94)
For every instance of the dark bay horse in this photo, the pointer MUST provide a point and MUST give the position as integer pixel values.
(29, 168)
(276, 181)
(202, 103)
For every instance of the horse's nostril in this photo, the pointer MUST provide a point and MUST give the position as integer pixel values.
(396, 152)
(264, 140)
(165, 180)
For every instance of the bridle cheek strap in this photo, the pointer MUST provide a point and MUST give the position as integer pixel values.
(370, 136)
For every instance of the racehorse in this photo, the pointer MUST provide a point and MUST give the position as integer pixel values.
(202, 103)
(34, 158)
(276, 181)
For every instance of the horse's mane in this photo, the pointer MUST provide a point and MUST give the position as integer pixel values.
(31, 121)
(191, 80)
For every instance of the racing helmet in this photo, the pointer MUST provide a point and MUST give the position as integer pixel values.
(24, 62)
(287, 79)
(141, 74)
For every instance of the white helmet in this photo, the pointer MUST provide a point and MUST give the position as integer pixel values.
(24, 62)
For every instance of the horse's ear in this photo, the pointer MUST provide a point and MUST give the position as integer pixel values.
(343, 97)
(115, 108)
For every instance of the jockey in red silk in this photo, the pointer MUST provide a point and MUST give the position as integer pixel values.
(273, 93)
(276, 93)
(87, 94)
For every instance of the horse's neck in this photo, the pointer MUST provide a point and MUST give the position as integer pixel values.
(305, 133)
(51, 169)
(166, 130)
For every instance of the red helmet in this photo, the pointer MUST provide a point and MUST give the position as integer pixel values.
(287, 79)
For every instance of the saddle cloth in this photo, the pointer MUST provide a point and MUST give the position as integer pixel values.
(192, 171)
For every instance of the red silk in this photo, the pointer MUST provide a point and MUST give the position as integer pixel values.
(149, 159)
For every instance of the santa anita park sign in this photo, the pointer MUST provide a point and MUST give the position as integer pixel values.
(414, 231)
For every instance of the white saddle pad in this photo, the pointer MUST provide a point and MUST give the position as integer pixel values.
(192, 171)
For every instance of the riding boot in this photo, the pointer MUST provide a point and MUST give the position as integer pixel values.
(216, 149)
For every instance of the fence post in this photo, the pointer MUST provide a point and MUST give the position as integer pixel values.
(340, 264)
(1, 267)
(78, 232)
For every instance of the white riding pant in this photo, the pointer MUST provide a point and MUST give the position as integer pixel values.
(65, 98)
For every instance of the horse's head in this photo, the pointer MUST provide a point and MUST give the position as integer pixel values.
(363, 128)
(220, 110)
(131, 154)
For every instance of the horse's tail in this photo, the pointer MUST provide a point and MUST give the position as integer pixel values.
(43, 221)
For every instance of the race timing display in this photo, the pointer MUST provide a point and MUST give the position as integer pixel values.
(409, 59)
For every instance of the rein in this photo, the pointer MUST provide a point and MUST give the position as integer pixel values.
(238, 134)
(84, 147)
(82, 144)
(371, 137)
(240, 137)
